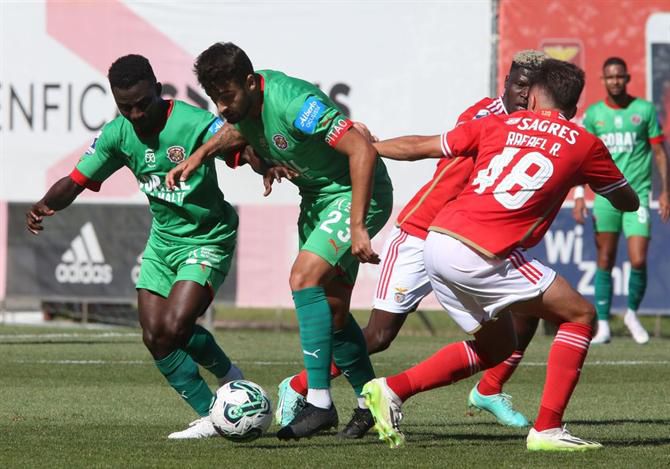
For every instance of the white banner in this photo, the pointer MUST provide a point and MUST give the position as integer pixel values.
(400, 66)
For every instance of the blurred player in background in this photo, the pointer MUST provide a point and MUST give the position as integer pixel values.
(347, 197)
(192, 240)
(403, 281)
(630, 129)
(525, 165)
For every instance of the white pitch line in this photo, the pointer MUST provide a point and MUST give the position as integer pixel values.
(297, 363)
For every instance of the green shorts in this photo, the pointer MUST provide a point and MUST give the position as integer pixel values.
(323, 228)
(166, 262)
(607, 219)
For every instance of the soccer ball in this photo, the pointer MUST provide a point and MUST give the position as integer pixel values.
(241, 411)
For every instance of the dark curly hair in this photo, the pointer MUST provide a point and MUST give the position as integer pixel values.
(128, 70)
(222, 62)
(562, 81)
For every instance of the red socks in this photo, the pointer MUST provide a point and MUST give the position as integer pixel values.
(494, 378)
(450, 364)
(566, 357)
(299, 382)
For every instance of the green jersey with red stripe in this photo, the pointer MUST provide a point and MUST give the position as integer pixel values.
(195, 212)
(299, 128)
(628, 134)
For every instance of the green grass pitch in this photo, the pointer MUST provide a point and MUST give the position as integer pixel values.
(74, 397)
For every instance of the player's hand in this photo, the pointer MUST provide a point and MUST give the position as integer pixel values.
(579, 211)
(664, 206)
(363, 129)
(361, 246)
(276, 173)
(182, 171)
(35, 216)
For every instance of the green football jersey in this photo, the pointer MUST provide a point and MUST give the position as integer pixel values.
(195, 212)
(628, 134)
(299, 128)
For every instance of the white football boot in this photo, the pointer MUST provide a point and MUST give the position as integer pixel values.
(201, 428)
(637, 330)
(558, 439)
(603, 335)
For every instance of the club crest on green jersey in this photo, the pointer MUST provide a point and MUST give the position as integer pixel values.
(176, 154)
(635, 119)
(280, 141)
(150, 158)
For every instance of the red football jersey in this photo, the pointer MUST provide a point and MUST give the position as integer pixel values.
(525, 165)
(449, 179)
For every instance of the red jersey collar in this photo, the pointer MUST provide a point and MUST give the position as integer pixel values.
(502, 104)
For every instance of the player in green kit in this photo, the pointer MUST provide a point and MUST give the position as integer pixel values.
(193, 232)
(346, 198)
(629, 127)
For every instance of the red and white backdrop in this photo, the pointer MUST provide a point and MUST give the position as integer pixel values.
(586, 33)
(400, 67)
(391, 65)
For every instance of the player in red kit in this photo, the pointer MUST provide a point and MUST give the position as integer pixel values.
(403, 281)
(524, 166)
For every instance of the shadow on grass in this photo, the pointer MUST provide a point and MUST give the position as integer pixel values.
(322, 440)
(630, 443)
(664, 422)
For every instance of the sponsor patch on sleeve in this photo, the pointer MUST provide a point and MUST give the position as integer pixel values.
(215, 126)
(309, 115)
(91, 149)
(482, 113)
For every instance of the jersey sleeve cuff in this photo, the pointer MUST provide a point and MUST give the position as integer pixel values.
(234, 161)
(657, 139)
(83, 181)
(611, 187)
(446, 151)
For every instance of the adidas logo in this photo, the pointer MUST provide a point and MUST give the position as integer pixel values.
(84, 262)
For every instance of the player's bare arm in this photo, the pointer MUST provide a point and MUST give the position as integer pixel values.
(579, 211)
(411, 147)
(226, 140)
(362, 159)
(661, 158)
(624, 199)
(58, 197)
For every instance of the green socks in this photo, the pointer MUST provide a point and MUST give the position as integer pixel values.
(351, 355)
(637, 284)
(182, 373)
(603, 293)
(206, 352)
(316, 329)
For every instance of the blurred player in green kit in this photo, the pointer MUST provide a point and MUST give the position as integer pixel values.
(193, 232)
(629, 128)
(346, 199)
